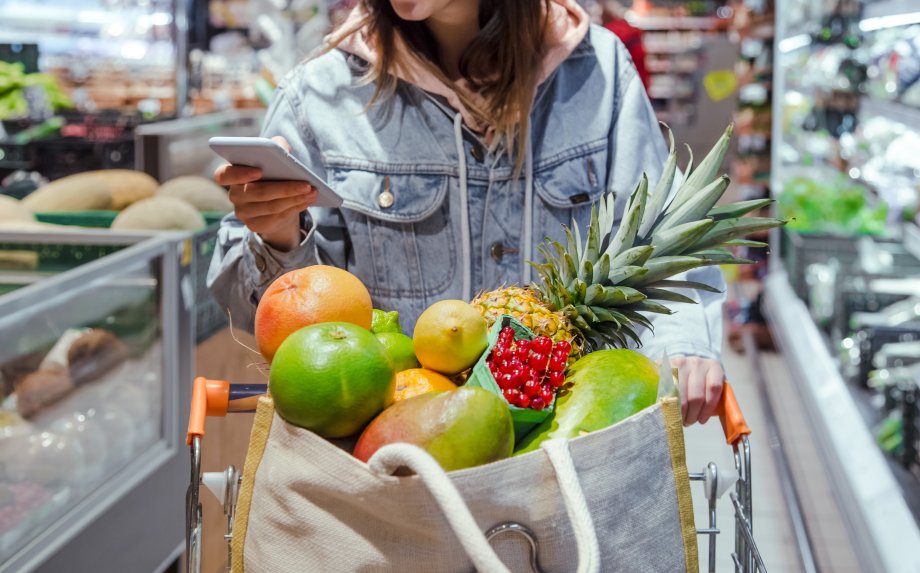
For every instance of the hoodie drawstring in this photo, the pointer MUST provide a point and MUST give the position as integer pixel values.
(527, 243)
(464, 210)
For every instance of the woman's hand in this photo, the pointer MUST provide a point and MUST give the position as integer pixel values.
(269, 208)
(700, 383)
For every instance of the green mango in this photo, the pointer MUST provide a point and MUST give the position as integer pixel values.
(460, 428)
(607, 386)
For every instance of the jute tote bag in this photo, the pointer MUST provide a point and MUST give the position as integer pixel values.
(609, 501)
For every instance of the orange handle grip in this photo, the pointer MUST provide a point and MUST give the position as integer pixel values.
(730, 415)
(209, 398)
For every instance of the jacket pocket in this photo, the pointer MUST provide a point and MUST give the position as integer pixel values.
(399, 226)
(567, 184)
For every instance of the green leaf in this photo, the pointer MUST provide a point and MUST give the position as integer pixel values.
(740, 209)
(591, 246)
(571, 247)
(697, 205)
(623, 275)
(636, 256)
(652, 306)
(601, 269)
(633, 316)
(705, 172)
(586, 312)
(663, 267)
(629, 226)
(676, 240)
(685, 284)
(729, 229)
(721, 257)
(670, 296)
(746, 243)
(662, 190)
(604, 315)
(586, 273)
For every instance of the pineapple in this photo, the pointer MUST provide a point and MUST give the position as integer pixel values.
(594, 294)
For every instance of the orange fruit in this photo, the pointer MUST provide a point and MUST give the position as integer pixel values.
(331, 378)
(306, 296)
(415, 381)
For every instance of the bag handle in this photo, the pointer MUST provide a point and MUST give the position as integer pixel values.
(393, 456)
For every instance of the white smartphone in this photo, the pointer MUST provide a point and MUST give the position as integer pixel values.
(275, 162)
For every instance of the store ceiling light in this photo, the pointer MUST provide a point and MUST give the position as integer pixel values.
(893, 21)
(794, 43)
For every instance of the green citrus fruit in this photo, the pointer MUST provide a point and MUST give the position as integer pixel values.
(331, 378)
(450, 336)
(399, 349)
(383, 321)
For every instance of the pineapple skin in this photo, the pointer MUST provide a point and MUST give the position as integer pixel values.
(528, 308)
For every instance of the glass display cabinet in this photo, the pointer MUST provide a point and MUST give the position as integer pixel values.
(843, 295)
(95, 364)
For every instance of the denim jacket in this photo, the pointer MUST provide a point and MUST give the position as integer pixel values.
(431, 213)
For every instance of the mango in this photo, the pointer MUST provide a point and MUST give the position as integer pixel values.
(460, 428)
(608, 386)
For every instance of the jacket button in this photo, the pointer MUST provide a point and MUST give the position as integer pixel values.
(478, 153)
(385, 200)
(498, 250)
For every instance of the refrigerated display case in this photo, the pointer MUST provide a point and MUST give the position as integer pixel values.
(95, 364)
(844, 271)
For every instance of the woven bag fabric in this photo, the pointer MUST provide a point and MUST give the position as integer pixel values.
(308, 506)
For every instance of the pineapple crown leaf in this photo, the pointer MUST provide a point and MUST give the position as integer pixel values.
(696, 206)
(670, 296)
(735, 210)
(685, 284)
(662, 190)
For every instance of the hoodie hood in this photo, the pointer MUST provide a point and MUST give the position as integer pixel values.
(567, 26)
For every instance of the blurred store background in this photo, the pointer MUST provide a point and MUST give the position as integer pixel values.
(822, 335)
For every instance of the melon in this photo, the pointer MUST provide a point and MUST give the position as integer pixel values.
(92, 191)
(12, 210)
(159, 214)
(204, 194)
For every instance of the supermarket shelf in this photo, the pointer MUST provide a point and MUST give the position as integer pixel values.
(675, 23)
(670, 48)
(909, 116)
(889, 8)
(867, 493)
(912, 239)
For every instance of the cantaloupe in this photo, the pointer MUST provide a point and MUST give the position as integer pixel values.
(12, 210)
(159, 214)
(204, 194)
(107, 189)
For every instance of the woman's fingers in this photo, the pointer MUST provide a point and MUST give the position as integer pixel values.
(696, 390)
(270, 191)
(700, 383)
(274, 207)
(236, 174)
(715, 380)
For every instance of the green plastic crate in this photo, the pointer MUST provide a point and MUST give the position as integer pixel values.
(99, 219)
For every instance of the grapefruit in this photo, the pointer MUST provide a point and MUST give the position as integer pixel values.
(417, 381)
(399, 349)
(331, 378)
(306, 296)
(450, 336)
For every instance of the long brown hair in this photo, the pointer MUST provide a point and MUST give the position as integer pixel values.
(502, 62)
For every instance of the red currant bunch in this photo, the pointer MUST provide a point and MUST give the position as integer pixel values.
(529, 372)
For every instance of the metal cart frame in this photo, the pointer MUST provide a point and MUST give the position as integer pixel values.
(218, 398)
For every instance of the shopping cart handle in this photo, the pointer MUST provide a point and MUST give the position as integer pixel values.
(730, 415)
(217, 398)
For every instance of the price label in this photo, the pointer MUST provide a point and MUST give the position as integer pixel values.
(720, 84)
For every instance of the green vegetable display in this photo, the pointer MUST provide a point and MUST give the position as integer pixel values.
(14, 81)
(838, 206)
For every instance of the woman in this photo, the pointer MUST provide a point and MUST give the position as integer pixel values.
(460, 132)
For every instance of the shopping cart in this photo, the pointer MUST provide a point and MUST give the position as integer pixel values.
(218, 398)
